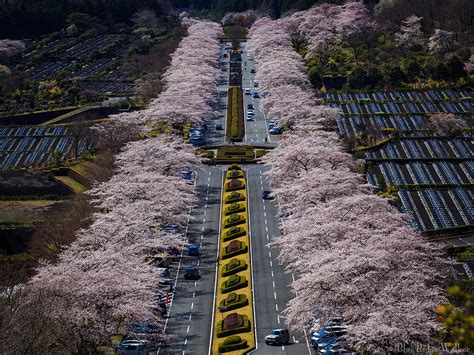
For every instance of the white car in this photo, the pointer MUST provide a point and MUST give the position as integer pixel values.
(247, 91)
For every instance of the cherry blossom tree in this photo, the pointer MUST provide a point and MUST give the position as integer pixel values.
(356, 255)
(441, 42)
(113, 134)
(445, 122)
(410, 34)
(10, 47)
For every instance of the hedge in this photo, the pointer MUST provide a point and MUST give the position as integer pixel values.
(243, 329)
(234, 197)
(234, 220)
(226, 255)
(234, 283)
(234, 173)
(234, 208)
(233, 266)
(233, 301)
(232, 343)
(233, 233)
(235, 114)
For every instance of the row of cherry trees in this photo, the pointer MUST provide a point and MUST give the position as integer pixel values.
(106, 279)
(356, 255)
(189, 81)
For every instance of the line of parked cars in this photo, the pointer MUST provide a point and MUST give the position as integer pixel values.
(330, 338)
(196, 134)
(273, 128)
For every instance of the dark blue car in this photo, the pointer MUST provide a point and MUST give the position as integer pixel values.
(193, 250)
(191, 273)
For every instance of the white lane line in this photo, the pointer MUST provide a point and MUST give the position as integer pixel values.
(266, 228)
(209, 173)
(208, 185)
(276, 307)
(278, 319)
(205, 206)
(271, 264)
(195, 283)
(192, 305)
(185, 342)
(205, 212)
(283, 347)
(194, 294)
(202, 228)
(272, 276)
(275, 295)
(293, 277)
(190, 316)
(208, 179)
(264, 207)
(199, 261)
(270, 254)
(264, 213)
(273, 282)
(268, 237)
(187, 330)
(202, 236)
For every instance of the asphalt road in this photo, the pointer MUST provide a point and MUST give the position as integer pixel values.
(256, 129)
(271, 283)
(190, 314)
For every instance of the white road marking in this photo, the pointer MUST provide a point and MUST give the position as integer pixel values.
(276, 307)
(202, 236)
(209, 173)
(190, 316)
(268, 237)
(265, 214)
(275, 295)
(266, 228)
(202, 228)
(199, 261)
(205, 206)
(270, 254)
(278, 319)
(264, 207)
(192, 305)
(187, 330)
(194, 294)
(185, 342)
(271, 264)
(273, 282)
(195, 283)
(272, 274)
(293, 277)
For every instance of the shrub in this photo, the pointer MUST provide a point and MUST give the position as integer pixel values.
(234, 232)
(232, 343)
(233, 283)
(234, 248)
(234, 173)
(233, 266)
(234, 220)
(233, 301)
(233, 324)
(234, 208)
(234, 197)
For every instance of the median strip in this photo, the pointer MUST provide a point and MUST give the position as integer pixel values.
(234, 321)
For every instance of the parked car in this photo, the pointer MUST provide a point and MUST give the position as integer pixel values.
(252, 71)
(250, 107)
(131, 346)
(267, 195)
(250, 112)
(276, 130)
(256, 95)
(255, 84)
(279, 336)
(191, 273)
(219, 127)
(193, 250)
(171, 228)
(249, 117)
(247, 91)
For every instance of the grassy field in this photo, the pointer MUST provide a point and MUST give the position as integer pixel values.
(27, 212)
